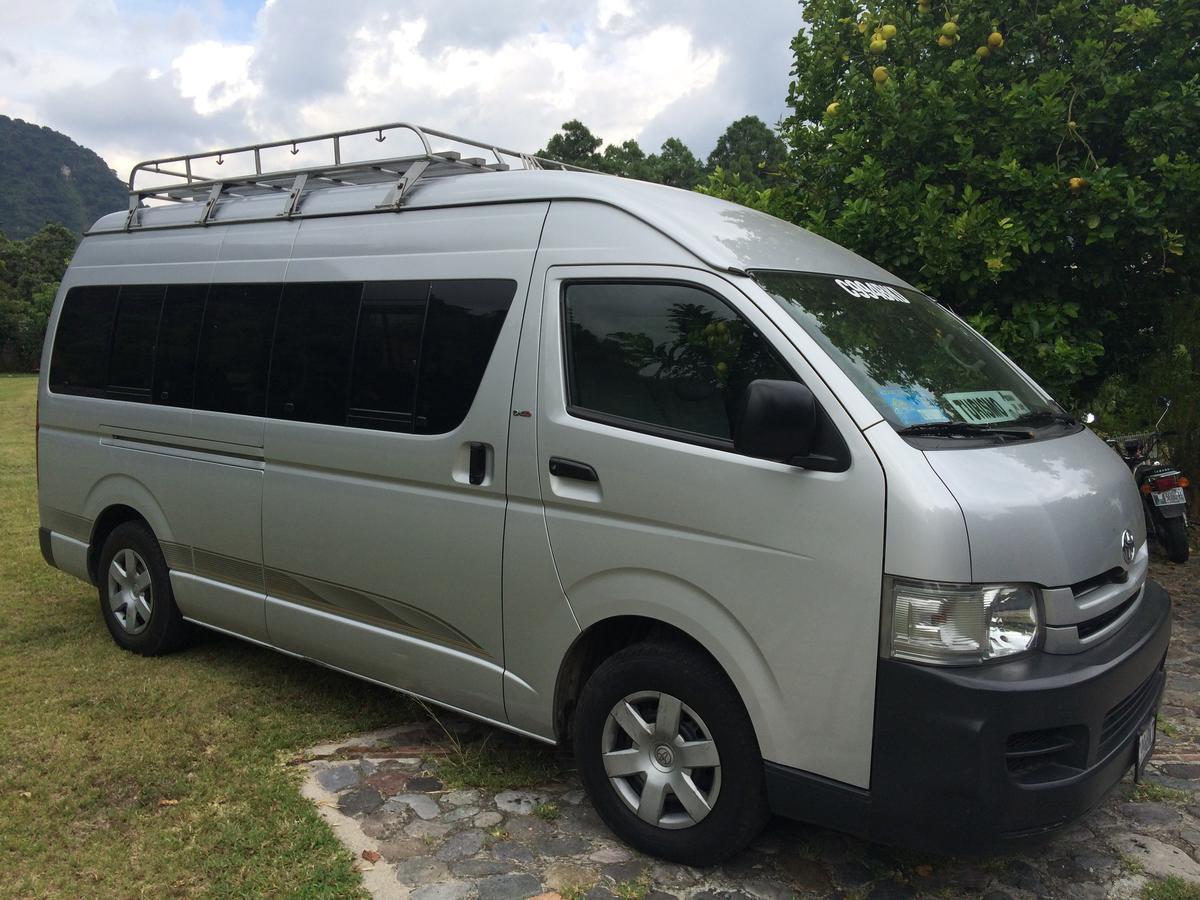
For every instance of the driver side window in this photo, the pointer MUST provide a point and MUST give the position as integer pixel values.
(669, 356)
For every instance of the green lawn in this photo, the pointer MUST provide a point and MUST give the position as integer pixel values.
(160, 777)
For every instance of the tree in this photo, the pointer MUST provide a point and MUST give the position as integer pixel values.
(749, 150)
(627, 159)
(30, 272)
(574, 145)
(1032, 165)
(676, 165)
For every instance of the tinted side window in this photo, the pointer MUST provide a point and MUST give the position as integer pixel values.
(131, 364)
(464, 321)
(178, 335)
(667, 355)
(386, 355)
(235, 348)
(79, 361)
(314, 342)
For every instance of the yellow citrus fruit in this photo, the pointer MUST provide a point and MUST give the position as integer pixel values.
(832, 108)
(862, 27)
(945, 40)
(1077, 184)
(880, 74)
(982, 52)
(878, 45)
(888, 32)
(995, 40)
(950, 29)
(923, 9)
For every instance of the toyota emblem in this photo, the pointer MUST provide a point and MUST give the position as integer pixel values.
(1127, 546)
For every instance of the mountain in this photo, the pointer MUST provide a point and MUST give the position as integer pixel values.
(46, 177)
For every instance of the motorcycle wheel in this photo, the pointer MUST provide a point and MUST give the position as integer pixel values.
(1175, 540)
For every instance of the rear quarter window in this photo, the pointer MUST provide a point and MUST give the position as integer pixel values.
(79, 360)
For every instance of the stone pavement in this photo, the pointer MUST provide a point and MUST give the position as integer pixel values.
(414, 837)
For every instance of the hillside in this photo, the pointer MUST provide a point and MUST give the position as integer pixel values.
(47, 177)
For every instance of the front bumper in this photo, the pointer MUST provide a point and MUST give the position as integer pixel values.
(980, 759)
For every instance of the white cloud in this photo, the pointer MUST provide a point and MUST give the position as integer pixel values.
(166, 79)
(215, 76)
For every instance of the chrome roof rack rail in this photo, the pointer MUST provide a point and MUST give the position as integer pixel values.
(191, 177)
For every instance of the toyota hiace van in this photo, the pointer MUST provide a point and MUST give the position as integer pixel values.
(749, 522)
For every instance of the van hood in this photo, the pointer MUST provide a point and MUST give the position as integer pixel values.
(1051, 512)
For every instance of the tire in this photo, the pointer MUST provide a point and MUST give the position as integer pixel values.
(711, 722)
(1175, 540)
(140, 611)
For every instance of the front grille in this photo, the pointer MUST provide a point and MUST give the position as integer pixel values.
(1115, 575)
(1102, 621)
(1127, 715)
(1052, 754)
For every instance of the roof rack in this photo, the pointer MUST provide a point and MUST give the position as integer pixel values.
(191, 175)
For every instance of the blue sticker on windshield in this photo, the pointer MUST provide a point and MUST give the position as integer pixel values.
(912, 405)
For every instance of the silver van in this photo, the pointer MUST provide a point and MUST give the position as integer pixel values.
(751, 523)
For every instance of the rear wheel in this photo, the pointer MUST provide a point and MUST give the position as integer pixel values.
(135, 593)
(668, 754)
(1175, 540)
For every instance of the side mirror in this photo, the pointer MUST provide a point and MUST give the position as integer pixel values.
(776, 420)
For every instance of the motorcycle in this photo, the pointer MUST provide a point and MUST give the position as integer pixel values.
(1161, 487)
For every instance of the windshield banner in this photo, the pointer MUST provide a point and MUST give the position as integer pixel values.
(986, 407)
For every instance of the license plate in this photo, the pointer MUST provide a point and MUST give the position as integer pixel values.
(1168, 498)
(1145, 746)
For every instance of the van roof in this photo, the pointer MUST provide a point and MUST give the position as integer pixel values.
(723, 235)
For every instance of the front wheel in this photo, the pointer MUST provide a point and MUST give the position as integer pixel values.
(1175, 539)
(668, 754)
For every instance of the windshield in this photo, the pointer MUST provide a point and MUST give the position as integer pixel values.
(913, 359)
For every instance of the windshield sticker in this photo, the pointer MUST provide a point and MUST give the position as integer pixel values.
(987, 407)
(869, 291)
(912, 405)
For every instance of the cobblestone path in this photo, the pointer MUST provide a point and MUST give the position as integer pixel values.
(415, 837)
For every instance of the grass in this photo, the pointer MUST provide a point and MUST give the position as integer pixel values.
(633, 890)
(1166, 726)
(1149, 792)
(1171, 889)
(495, 769)
(1131, 865)
(547, 812)
(124, 776)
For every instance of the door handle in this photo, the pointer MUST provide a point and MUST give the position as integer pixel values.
(569, 468)
(478, 465)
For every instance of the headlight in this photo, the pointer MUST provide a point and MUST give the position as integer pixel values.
(960, 624)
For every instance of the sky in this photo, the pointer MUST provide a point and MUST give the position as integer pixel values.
(138, 79)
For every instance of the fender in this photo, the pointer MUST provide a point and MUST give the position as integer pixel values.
(125, 490)
(656, 595)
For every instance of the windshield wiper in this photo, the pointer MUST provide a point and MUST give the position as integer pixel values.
(963, 429)
(1044, 417)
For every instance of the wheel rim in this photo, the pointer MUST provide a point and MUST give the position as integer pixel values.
(661, 759)
(130, 593)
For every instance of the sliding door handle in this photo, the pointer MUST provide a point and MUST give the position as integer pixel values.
(478, 464)
(569, 468)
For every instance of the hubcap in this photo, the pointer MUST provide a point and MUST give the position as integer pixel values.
(130, 596)
(661, 759)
